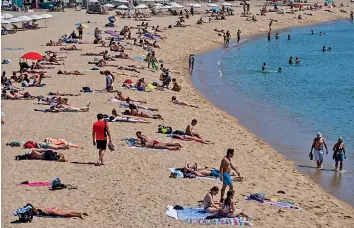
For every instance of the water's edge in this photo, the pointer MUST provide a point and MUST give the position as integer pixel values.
(216, 91)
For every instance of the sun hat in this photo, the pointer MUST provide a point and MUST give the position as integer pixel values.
(340, 139)
(319, 134)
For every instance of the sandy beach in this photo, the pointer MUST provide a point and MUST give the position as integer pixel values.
(133, 188)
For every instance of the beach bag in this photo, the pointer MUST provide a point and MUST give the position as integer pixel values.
(29, 145)
(57, 185)
(164, 129)
(260, 197)
(86, 89)
(25, 214)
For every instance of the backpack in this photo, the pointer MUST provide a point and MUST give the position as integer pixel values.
(164, 129)
(57, 185)
(25, 214)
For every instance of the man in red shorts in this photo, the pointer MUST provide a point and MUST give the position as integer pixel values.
(100, 132)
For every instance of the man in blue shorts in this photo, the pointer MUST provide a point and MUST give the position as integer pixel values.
(225, 171)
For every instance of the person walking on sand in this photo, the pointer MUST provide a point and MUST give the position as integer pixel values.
(100, 132)
(191, 62)
(339, 153)
(317, 146)
(225, 171)
(80, 29)
(238, 36)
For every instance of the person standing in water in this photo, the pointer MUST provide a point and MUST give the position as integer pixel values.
(297, 60)
(312, 33)
(238, 36)
(317, 146)
(289, 38)
(324, 48)
(339, 153)
(351, 16)
(268, 36)
(191, 62)
(277, 36)
(280, 70)
(228, 37)
(264, 67)
(291, 60)
(225, 171)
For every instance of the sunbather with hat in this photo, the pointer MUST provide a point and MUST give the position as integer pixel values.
(146, 142)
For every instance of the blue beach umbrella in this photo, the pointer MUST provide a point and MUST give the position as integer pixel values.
(215, 10)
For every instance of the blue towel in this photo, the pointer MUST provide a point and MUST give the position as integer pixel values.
(192, 213)
(22, 210)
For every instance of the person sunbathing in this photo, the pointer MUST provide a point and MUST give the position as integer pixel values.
(61, 142)
(178, 102)
(115, 117)
(70, 48)
(128, 68)
(210, 205)
(37, 65)
(47, 145)
(75, 72)
(107, 57)
(175, 85)
(146, 142)
(132, 105)
(135, 112)
(16, 95)
(45, 154)
(46, 211)
(123, 98)
(63, 94)
(155, 44)
(189, 129)
(93, 54)
(122, 55)
(102, 63)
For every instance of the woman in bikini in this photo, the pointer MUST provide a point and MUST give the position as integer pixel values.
(146, 142)
(175, 101)
(46, 211)
(123, 98)
(134, 112)
(228, 209)
(339, 153)
(211, 206)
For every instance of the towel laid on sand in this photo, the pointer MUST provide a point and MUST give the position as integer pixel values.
(276, 202)
(35, 184)
(53, 111)
(131, 143)
(179, 174)
(125, 119)
(195, 215)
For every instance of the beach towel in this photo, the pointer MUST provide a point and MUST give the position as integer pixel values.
(179, 174)
(131, 143)
(112, 33)
(12, 49)
(196, 215)
(276, 202)
(139, 58)
(34, 184)
(125, 119)
(53, 111)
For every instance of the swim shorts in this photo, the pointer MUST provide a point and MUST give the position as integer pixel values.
(226, 179)
(50, 155)
(215, 173)
(339, 157)
(101, 144)
(318, 155)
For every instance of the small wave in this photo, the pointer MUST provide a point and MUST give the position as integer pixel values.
(220, 73)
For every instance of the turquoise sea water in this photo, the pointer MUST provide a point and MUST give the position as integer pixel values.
(287, 109)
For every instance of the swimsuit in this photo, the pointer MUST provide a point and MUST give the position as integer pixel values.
(226, 179)
(154, 143)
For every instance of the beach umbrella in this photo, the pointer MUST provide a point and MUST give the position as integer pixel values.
(141, 6)
(35, 17)
(212, 5)
(225, 4)
(14, 20)
(32, 56)
(3, 21)
(7, 16)
(46, 16)
(82, 24)
(25, 18)
(108, 5)
(197, 6)
(122, 7)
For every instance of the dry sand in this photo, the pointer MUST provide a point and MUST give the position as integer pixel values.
(133, 188)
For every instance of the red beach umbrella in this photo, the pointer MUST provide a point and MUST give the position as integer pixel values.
(32, 56)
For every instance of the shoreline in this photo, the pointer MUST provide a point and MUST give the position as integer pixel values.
(218, 51)
(133, 177)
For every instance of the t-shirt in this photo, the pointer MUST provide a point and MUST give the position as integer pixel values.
(98, 128)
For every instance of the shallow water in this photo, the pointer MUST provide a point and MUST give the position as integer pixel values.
(287, 109)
